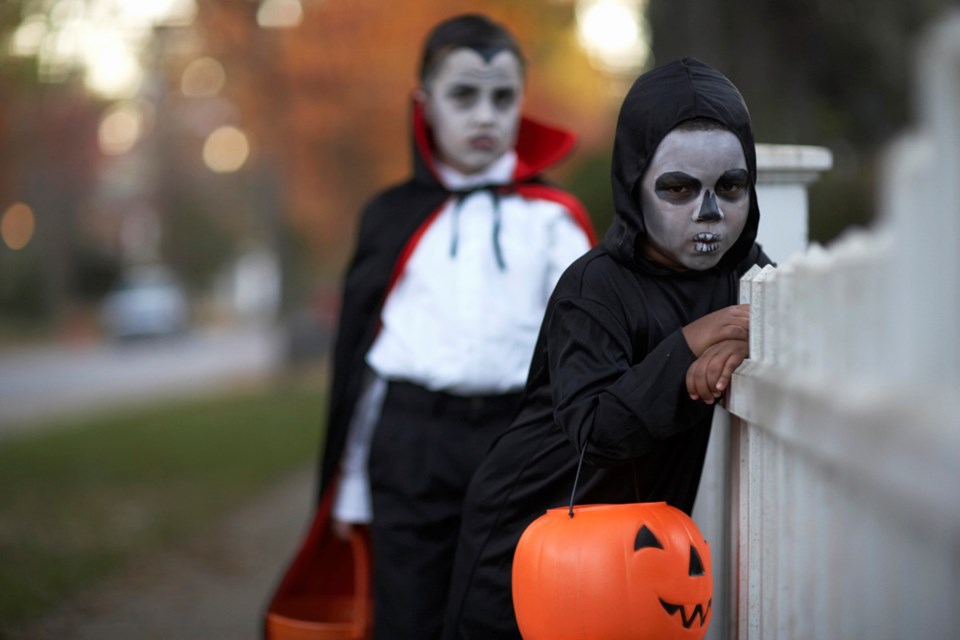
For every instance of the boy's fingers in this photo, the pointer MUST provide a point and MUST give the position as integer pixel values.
(740, 312)
(724, 376)
(710, 374)
(734, 332)
(730, 365)
(692, 389)
(702, 381)
(714, 370)
(696, 387)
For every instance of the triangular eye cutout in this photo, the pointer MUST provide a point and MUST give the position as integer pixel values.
(696, 564)
(645, 538)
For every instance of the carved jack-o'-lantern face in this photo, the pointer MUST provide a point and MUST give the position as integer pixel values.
(637, 571)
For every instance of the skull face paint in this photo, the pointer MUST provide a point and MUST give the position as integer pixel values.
(473, 106)
(695, 198)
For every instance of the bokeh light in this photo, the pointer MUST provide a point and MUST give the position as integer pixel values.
(112, 65)
(203, 78)
(120, 128)
(274, 14)
(614, 33)
(29, 36)
(226, 150)
(166, 12)
(17, 226)
(103, 38)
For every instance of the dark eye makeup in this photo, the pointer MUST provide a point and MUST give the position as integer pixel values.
(504, 97)
(466, 95)
(676, 185)
(732, 183)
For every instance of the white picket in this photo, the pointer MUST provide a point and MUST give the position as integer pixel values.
(843, 449)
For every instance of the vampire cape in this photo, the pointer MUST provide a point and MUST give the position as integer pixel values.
(608, 372)
(390, 227)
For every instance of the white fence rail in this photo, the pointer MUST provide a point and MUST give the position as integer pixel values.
(839, 496)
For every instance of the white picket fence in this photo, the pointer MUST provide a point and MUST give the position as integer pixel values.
(832, 491)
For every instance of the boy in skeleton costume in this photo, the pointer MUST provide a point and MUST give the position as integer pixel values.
(640, 337)
(441, 307)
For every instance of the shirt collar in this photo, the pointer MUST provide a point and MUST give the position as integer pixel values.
(499, 172)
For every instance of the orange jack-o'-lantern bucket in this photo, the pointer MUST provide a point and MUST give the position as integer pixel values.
(325, 594)
(638, 571)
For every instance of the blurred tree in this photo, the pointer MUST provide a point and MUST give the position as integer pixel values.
(51, 162)
(835, 74)
(345, 76)
(48, 154)
(326, 104)
(590, 180)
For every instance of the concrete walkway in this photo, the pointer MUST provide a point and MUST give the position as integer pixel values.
(213, 588)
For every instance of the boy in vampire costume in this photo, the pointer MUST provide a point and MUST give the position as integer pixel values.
(640, 338)
(441, 307)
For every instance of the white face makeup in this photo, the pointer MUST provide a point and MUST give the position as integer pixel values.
(473, 106)
(695, 197)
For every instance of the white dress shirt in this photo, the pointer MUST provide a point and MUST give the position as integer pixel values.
(457, 320)
(462, 323)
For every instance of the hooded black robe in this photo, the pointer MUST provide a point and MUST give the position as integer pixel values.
(609, 367)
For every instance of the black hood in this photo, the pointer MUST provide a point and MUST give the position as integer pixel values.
(657, 102)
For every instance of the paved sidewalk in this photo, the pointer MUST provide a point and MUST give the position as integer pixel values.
(213, 588)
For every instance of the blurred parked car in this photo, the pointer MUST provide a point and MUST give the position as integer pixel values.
(149, 301)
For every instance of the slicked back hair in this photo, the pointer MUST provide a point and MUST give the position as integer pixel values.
(472, 31)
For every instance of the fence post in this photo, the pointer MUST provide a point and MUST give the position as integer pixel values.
(784, 175)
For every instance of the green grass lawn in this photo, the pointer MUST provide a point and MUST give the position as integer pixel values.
(77, 500)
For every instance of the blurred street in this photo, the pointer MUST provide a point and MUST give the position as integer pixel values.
(45, 382)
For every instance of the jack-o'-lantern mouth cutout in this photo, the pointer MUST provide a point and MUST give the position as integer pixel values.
(699, 611)
(646, 539)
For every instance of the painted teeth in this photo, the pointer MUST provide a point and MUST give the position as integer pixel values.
(703, 247)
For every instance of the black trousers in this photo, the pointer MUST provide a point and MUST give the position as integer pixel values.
(424, 452)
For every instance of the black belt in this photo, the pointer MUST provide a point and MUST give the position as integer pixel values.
(437, 402)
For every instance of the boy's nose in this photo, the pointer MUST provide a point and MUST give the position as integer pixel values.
(709, 211)
(484, 112)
